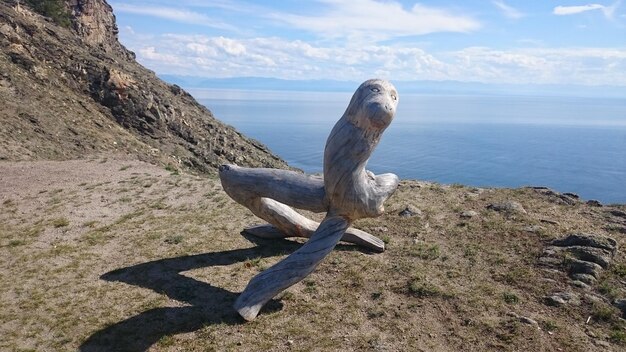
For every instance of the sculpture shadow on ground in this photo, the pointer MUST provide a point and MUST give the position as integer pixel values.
(208, 304)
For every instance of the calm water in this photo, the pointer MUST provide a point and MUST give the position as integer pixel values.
(568, 144)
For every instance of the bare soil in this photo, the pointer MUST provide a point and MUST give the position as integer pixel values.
(110, 253)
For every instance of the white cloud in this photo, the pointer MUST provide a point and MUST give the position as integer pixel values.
(507, 10)
(608, 11)
(207, 56)
(173, 14)
(588, 66)
(374, 20)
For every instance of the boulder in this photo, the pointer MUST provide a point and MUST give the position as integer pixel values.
(562, 298)
(584, 267)
(508, 207)
(410, 211)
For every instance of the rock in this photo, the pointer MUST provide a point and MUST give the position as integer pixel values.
(550, 260)
(380, 229)
(555, 301)
(569, 198)
(527, 320)
(581, 284)
(410, 211)
(602, 343)
(523, 319)
(621, 305)
(584, 278)
(548, 221)
(562, 298)
(591, 298)
(594, 203)
(534, 228)
(583, 267)
(551, 256)
(508, 207)
(565, 198)
(468, 214)
(585, 256)
(590, 240)
(618, 213)
(615, 228)
(599, 256)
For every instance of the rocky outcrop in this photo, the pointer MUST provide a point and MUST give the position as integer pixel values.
(584, 256)
(94, 22)
(77, 91)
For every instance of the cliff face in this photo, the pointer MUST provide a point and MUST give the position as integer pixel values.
(94, 22)
(67, 92)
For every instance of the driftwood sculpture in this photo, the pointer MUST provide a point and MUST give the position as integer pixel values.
(346, 192)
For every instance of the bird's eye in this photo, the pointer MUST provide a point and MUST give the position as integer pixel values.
(375, 90)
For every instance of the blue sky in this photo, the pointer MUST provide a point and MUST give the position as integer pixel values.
(537, 42)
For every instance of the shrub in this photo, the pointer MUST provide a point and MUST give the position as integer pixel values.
(54, 9)
(510, 298)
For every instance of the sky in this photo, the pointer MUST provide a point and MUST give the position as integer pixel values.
(488, 41)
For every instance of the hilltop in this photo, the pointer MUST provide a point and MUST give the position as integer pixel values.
(115, 254)
(70, 89)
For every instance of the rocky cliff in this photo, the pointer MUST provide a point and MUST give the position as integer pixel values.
(71, 91)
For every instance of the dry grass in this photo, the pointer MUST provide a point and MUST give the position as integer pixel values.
(142, 258)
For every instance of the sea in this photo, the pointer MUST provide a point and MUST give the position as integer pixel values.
(569, 144)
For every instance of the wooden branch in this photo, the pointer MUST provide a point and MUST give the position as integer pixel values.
(292, 269)
(351, 235)
(255, 188)
(288, 187)
(347, 192)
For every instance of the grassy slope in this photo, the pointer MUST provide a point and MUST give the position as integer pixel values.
(118, 253)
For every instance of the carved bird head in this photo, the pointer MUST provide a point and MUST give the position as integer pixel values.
(373, 105)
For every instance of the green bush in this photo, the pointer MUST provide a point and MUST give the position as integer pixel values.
(54, 9)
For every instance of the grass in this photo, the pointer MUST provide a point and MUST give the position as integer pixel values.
(164, 268)
(172, 169)
(90, 223)
(510, 298)
(425, 251)
(518, 275)
(609, 290)
(421, 287)
(16, 243)
(603, 312)
(618, 334)
(174, 239)
(550, 325)
(619, 269)
(60, 222)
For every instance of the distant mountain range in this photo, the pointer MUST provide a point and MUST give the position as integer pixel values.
(406, 87)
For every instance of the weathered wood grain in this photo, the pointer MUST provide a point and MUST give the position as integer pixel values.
(346, 192)
(292, 269)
